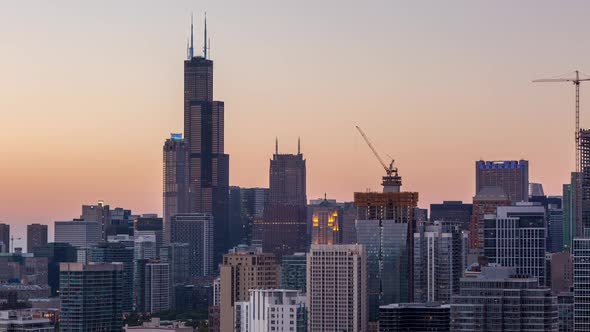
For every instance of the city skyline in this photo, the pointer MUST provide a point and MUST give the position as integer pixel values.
(99, 150)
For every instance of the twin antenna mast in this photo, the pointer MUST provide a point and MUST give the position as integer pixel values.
(206, 42)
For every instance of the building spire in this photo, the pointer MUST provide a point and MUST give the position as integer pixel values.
(205, 38)
(276, 145)
(298, 145)
(191, 49)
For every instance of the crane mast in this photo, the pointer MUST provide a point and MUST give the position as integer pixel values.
(392, 181)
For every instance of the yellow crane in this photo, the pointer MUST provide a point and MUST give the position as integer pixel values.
(390, 170)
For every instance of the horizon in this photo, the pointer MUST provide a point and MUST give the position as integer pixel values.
(437, 92)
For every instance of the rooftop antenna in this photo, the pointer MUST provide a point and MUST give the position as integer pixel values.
(205, 38)
(276, 145)
(191, 49)
(298, 145)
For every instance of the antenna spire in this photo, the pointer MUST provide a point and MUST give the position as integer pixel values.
(298, 145)
(205, 38)
(276, 145)
(191, 49)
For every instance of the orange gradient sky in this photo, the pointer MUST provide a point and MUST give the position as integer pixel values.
(90, 90)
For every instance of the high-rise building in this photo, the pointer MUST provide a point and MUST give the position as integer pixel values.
(581, 254)
(348, 228)
(583, 197)
(325, 227)
(242, 269)
(272, 310)
(337, 288)
(294, 272)
(455, 211)
(113, 252)
(176, 179)
(4, 238)
(515, 237)
(565, 307)
(416, 317)
(196, 229)
(157, 287)
(99, 213)
(19, 320)
(485, 202)
(283, 229)
(253, 201)
(150, 225)
(562, 272)
(121, 222)
(499, 299)
(438, 263)
(385, 226)
(78, 233)
(91, 297)
(177, 255)
(204, 133)
(510, 175)
(145, 247)
(55, 253)
(555, 229)
(36, 236)
(572, 211)
(536, 190)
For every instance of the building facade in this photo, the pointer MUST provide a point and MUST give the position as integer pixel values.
(337, 288)
(325, 227)
(198, 230)
(99, 213)
(157, 287)
(510, 175)
(272, 310)
(113, 252)
(4, 238)
(36, 236)
(294, 272)
(176, 180)
(78, 233)
(455, 211)
(581, 255)
(419, 317)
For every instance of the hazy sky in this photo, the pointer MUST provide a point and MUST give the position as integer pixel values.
(89, 90)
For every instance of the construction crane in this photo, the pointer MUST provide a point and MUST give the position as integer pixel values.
(576, 80)
(389, 170)
(12, 238)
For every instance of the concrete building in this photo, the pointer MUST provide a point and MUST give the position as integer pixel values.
(419, 317)
(4, 238)
(24, 320)
(36, 236)
(91, 297)
(78, 233)
(562, 272)
(499, 299)
(196, 229)
(150, 224)
(145, 247)
(55, 253)
(242, 269)
(272, 310)
(515, 237)
(294, 272)
(283, 228)
(157, 287)
(438, 261)
(176, 180)
(510, 175)
(99, 213)
(485, 202)
(455, 211)
(385, 226)
(337, 288)
(565, 305)
(581, 257)
(114, 252)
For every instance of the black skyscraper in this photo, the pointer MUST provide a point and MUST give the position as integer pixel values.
(204, 132)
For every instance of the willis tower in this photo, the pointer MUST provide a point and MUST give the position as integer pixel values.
(208, 187)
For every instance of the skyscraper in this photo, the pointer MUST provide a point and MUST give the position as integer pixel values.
(242, 269)
(56, 253)
(485, 202)
(337, 288)
(204, 133)
(515, 237)
(113, 252)
(452, 211)
(176, 179)
(99, 213)
(272, 310)
(4, 238)
(78, 233)
(438, 263)
(196, 229)
(510, 175)
(36, 236)
(499, 299)
(325, 227)
(293, 272)
(418, 317)
(283, 229)
(581, 252)
(157, 287)
(91, 297)
(148, 224)
(385, 227)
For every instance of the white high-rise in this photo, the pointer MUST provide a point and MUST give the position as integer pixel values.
(272, 310)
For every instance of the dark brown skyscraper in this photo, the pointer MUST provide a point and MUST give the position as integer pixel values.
(4, 238)
(510, 175)
(208, 189)
(283, 229)
(176, 179)
(36, 236)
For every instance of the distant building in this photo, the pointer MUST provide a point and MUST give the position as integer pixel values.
(571, 212)
(565, 305)
(438, 262)
(244, 268)
(272, 310)
(4, 238)
(337, 288)
(78, 233)
(455, 211)
(510, 175)
(325, 227)
(562, 272)
(99, 213)
(485, 202)
(55, 253)
(294, 272)
(536, 190)
(157, 287)
(581, 257)
(23, 268)
(113, 252)
(176, 180)
(150, 225)
(523, 222)
(154, 325)
(498, 299)
(555, 230)
(417, 317)
(196, 229)
(36, 236)
(252, 203)
(24, 320)
(145, 247)
(193, 297)
(91, 297)
(348, 228)
(178, 256)
(283, 228)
